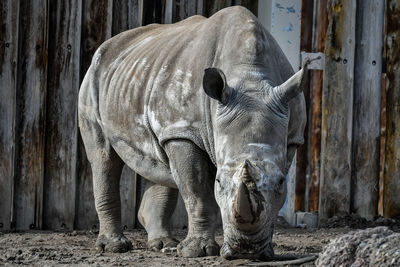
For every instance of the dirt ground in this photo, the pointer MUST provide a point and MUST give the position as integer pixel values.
(45, 248)
(76, 248)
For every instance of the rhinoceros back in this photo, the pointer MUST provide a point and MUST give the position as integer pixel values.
(144, 86)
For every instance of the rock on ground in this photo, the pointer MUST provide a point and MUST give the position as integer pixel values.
(377, 246)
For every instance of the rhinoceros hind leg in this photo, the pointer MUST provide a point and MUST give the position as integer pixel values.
(106, 168)
(158, 204)
(194, 175)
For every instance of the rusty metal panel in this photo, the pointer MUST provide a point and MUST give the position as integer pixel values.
(367, 107)
(391, 199)
(8, 80)
(31, 98)
(96, 28)
(337, 109)
(61, 119)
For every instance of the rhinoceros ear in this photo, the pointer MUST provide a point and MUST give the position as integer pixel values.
(214, 84)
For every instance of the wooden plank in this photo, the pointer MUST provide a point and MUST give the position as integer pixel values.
(391, 199)
(337, 106)
(169, 11)
(8, 82)
(135, 13)
(367, 107)
(31, 98)
(152, 12)
(128, 198)
(307, 11)
(183, 10)
(200, 7)
(120, 14)
(188, 8)
(125, 16)
(211, 7)
(61, 119)
(191, 7)
(320, 28)
(251, 5)
(383, 125)
(92, 36)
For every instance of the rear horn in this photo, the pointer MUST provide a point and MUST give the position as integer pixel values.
(294, 85)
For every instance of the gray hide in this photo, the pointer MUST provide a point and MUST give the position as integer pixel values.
(210, 107)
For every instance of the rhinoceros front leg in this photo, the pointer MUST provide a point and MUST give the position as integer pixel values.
(158, 204)
(106, 168)
(194, 175)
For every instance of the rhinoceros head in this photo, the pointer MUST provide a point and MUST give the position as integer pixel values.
(250, 135)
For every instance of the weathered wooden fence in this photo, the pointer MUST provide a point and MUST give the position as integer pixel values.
(45, 50)
(350, 162)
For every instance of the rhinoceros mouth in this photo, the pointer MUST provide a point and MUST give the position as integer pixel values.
(264, 252)
(243, 246)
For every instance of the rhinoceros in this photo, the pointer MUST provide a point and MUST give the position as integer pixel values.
(207, 107)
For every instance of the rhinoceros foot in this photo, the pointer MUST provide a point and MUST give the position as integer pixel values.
(163, 242)
(193, 247)
(114, 243)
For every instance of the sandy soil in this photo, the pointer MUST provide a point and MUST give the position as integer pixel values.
(45, 248)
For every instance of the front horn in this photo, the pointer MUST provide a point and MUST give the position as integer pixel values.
(249, 202)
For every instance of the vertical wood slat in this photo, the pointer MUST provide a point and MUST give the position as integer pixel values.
(383, 123)
(307, 10)
(169, 11)
(191, 7)
(382, 142)
(31, 97)
(125, 17)
(251, 5)
(135, 13)
(120, 16)
(367, 107)
(128, 198)
(337, 109)
(8, 80)
(61, 109)
(152, 12)
(96, 28)
(200, 7)
(188, 8)
(320, 28)
(183, 10)
(391, 199)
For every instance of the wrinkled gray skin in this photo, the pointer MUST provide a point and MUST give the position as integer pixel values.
(209, 107)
